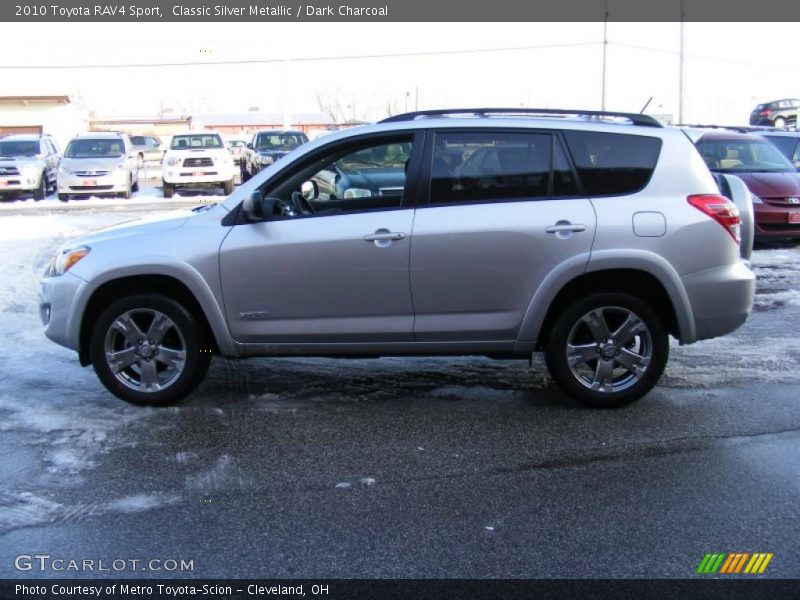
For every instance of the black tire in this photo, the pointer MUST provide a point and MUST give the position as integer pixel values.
(63, 197)
(244, 174)
(630, 386)
(40, 193)
(169, 190)
(197, 353)
(227, 187)
(135, 185)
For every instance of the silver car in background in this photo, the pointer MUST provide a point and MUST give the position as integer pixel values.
(588, 236)
(28, 164)
(98, 164)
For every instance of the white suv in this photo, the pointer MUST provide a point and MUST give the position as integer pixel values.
(197, 160)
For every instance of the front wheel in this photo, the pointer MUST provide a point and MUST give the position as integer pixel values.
(40, 193)
(607, 350)
(63, 197)
(169, 190)
(149, 350)
(227, 187)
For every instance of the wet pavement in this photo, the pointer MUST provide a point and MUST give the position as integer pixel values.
(412, 467)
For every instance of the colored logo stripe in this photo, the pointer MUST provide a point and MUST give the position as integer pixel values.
(733, 562)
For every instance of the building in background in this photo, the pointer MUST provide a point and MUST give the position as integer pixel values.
(142, 125)
(55, 115)
(242, 124)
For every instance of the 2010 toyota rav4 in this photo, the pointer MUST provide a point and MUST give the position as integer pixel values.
(591, 237)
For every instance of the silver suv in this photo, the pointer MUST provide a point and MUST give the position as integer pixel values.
(28, 163)
(589, 236)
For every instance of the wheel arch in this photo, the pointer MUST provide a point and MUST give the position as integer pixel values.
(642, 276)
(213, 325)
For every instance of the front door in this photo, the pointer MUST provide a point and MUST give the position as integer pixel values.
(333, 267)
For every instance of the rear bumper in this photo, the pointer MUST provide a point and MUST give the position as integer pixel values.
(721, 298)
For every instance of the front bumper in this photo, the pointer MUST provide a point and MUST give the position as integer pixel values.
(721, 298)
(58, 308)
(773, 220)
(113, 183)
(189, 176)
(17, 184)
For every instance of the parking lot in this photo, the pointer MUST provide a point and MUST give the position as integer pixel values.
(446, 467)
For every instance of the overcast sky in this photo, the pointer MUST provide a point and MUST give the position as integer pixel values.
(729, 67)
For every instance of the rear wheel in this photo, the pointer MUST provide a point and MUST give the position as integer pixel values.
(63, 197)
(243, 172)
(227, 187)
(149, 350)
(779, 122)
(169, 190)
(607, 350)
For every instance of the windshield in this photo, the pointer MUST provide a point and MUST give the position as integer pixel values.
(236, 143)
(187, 142)
(138, 140)
(743, 155)
(280, 141)
(87, 148)
(20, 148)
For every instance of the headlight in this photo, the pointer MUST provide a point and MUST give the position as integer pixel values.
(756, 199)
(267, 160)
(171, 161)
(64, 170)
(357, 193)
(63, 261)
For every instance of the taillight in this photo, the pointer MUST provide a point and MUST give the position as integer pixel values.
(722, 210)
(765, 113)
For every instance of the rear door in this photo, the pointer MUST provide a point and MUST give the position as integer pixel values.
(504, 210)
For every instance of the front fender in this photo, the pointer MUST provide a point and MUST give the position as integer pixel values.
(165, 266)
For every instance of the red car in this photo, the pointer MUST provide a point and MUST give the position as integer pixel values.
(772, 179)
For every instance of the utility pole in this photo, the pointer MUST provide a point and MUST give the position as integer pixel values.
(681, 73)
(605, 50)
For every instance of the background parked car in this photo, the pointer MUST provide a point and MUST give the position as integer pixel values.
(265, 147)
(777, 113)
(788, 142)
(773, 181)
(98, 164)
(236, 147)
(28, 163)
(197, 160)
(147, 148)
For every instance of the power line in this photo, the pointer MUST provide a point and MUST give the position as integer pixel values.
(301, 59)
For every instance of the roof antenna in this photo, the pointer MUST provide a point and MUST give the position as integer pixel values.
(646, 104)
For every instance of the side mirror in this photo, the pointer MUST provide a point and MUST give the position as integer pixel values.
(253, 206)
(250, 145)
(309, 190)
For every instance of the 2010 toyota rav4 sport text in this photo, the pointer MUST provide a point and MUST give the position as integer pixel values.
(590, 236)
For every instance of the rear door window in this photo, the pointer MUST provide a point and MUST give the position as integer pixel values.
(489, 166)
(613, 164)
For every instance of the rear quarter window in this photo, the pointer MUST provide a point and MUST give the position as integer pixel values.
(613, 164)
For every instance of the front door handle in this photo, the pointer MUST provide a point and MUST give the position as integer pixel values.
(383, 235)
(565, 228)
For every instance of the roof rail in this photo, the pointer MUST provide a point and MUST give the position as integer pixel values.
(635, 118)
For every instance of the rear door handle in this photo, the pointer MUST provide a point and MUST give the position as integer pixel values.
(384, 236)
(565, 228)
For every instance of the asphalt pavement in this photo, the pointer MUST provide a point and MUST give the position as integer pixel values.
(446, 467)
